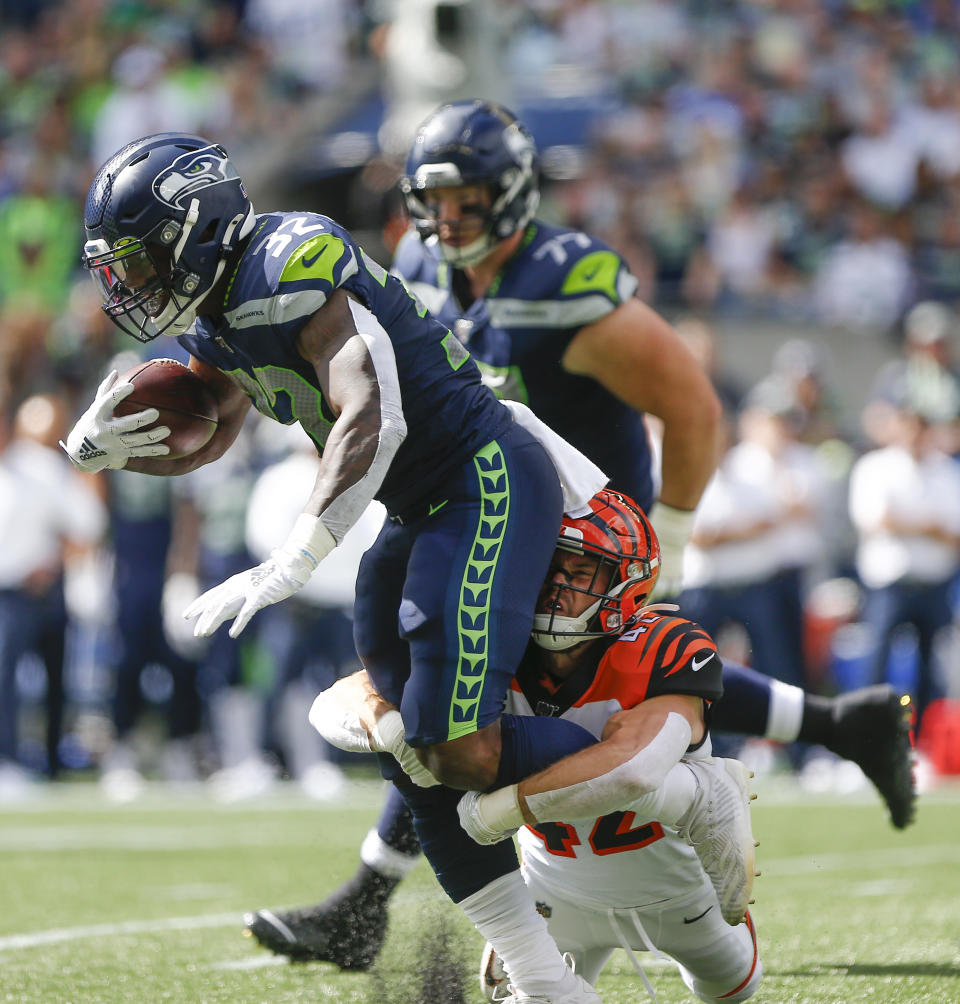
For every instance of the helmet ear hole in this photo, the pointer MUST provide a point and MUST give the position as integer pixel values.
(209, 232)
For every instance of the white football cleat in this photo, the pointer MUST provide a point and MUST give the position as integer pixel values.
(718, 828)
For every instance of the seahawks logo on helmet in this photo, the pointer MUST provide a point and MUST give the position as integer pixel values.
(192, 171)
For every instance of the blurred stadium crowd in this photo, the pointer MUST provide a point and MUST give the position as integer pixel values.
(791, 162)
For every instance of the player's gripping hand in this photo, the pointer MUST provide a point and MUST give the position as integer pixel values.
(100, 440)
(285, 572)
(353, 716)
(243, 594)
(492, 817)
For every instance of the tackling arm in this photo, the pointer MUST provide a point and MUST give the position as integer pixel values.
(638, 748)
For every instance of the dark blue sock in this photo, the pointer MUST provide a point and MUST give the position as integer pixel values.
(745, 704)
(530, 744)
(395, 825)
(462, 866)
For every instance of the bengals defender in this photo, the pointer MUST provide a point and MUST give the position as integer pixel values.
(621, 878)
(617, 851)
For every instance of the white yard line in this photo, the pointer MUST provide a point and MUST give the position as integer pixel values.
(932, 854)
(58, 935)
(147, 837)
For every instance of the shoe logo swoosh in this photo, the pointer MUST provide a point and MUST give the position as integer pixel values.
(691, 920)
(697, 664)
(308, 262)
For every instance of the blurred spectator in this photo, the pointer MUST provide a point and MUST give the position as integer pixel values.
(731, 561)
(50, 516)
(864, 281)
(39, 236)
(905, 505)
(740, 244)
(233, 676)
(308, 43)
(926, 369)
(804, 367)
(311, 637)
(702, 340)
(786, 477)
(880, 159)
(146, 99)
(142, 525)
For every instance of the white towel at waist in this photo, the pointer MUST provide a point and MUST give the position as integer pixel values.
(579, 476)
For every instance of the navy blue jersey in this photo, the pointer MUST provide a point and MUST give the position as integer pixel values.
(558, 282)
(292, 263)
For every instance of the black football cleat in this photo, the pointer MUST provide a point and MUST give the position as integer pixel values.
(871, 727)
(348, 928)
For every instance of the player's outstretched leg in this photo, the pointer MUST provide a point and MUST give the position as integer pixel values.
(347, 928)
(717, 825)
(871, 727)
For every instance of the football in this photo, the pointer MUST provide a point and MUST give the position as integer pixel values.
(186, 405)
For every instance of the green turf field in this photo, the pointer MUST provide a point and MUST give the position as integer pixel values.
(143, 902)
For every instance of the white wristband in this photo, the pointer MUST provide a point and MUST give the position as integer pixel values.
(388, 733)
(500, 810)
(309, 539)
(389, 736)
(672, 525)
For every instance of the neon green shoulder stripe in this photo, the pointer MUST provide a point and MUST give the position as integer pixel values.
(595, 272)
(314, 259)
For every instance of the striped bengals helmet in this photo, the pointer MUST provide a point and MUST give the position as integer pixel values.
(614, 529)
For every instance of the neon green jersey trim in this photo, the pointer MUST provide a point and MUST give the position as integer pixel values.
(473, 614)
(595, 272)
(314, 259)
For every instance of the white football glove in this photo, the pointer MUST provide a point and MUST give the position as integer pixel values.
(100, 439)
(388, 737)
(492, 817)
(672, 527)
(343, 727)
(285, 572)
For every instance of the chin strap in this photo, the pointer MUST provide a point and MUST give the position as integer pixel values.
(244, 221)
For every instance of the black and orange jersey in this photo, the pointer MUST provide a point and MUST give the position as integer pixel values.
(661, 654)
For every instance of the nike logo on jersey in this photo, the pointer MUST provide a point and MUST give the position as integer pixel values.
(308, 262)
(691, 920)
(431, 509)
(697, 664)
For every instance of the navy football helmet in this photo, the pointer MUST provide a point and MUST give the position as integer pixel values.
(162, 216)
(614, 530)
(473, 143)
